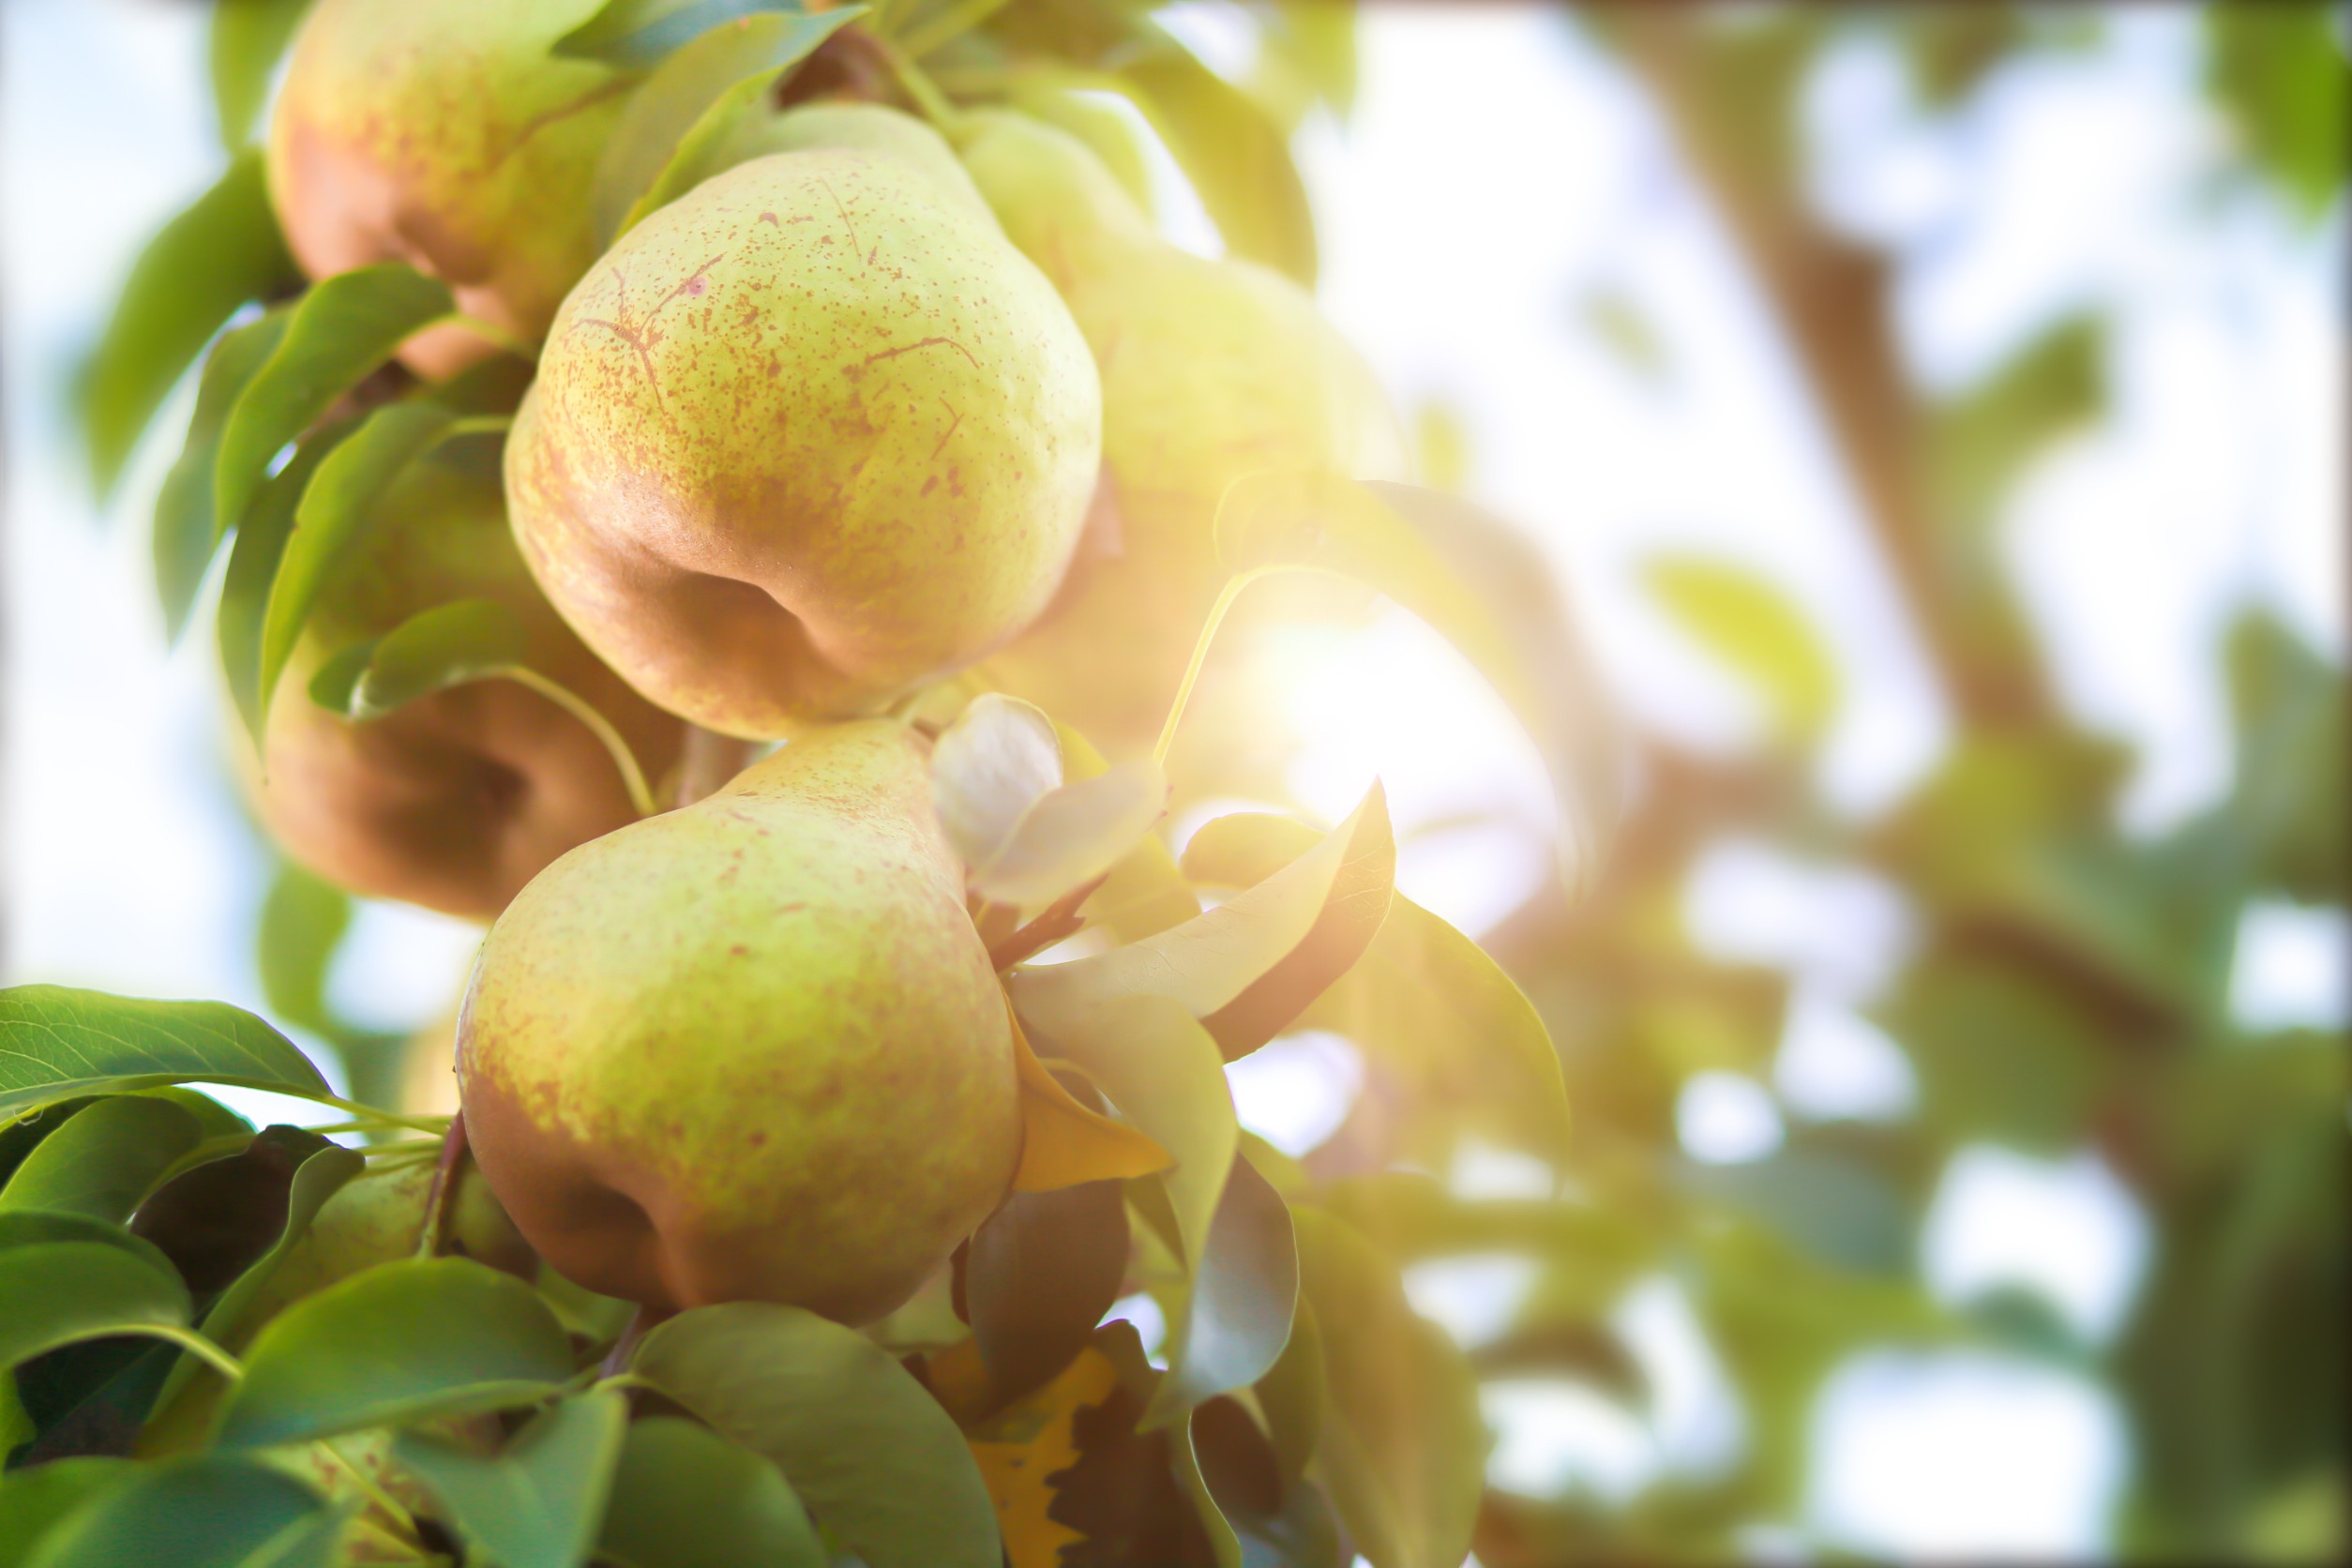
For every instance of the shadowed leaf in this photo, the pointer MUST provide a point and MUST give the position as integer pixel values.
(857, 1438)
(684, 1497)
(537, 1502)
(1235, 1317)
(54, 1293)
(186, 533)
(104, 1159)
(208, 1511)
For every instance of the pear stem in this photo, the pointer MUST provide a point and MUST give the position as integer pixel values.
(374, 1117)
(918, 87)
(949, 26)
(201, 1349)
(632, 777)
(445, 1181)
(1232, 590)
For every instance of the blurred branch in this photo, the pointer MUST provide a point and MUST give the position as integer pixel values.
(1830, 297)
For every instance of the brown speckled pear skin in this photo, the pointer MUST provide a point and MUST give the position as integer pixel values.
(445, 133)
(808, 436)
(1211, 370)
(750, 1049)
(456, 800)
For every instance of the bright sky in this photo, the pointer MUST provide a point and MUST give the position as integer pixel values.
(1497, 171)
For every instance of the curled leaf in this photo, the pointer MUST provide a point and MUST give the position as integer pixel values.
(1065, 1143)
(1025, 837)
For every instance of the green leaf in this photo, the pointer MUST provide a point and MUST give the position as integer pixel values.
(206, 1511)
(245, 589)
(1236, 1316)
(1039, 1273)
(1144, 893)
(858, 1437)
(445, 1336)
(30, 1227)
(688, 106)
(1750, 625)
(336, 336)
(1403, 1452)
(632, 34)
(54, 1293)
(1248, 967)
(331, 520)
(1225, 1547)
(684, 1497)
(539, 1501)
(1425, 999)
(1162, 1069)
(222, 252)
(249, 37)
(104, 1159)
(448, 645)
(1481, 585)
(303, 917)
(1025, 837)
(320, 1177)
(56, 1042)
(1292, 1396)
(1235, 157)
(35, 1498)
(186, 532)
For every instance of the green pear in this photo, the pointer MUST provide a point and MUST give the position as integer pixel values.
(379, 1216)
(750, 1049)
(1211, 370)
(809, 436)
(445, 134)
(458, 799)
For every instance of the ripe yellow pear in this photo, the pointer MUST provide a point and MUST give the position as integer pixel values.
(808, 436)
(866, 126)
(445, 134)
(750, 1049)
(1211, 370)
(458, 799)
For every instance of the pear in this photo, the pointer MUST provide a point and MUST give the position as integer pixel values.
(1211, 370)
(445, 134)
(869, 127)
(379, 1216)
(805, 438)
(458, 799)
(752, 1048)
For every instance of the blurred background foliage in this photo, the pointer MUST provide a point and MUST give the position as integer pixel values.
(2067, 984)
(2065, 987)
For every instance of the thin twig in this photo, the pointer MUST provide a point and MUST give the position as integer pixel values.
(437, 1204)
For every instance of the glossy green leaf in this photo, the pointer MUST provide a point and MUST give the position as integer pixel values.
(222, 252)
(537, 1502)
(448, 645)
(185, 534)
(30, 1227)
(336, 336)
(331, 522)
(104, 1159)
(855, 1435)
(689, 104)
(1248, 967)
(320, 1177)
(35, 1498)
(1403, 1451)
(684, 1497)
(1423, 999)
(54, 1293)
(1236, 1314)
(207, 1510)
(1038, 1275)
(245, 589)
(1752, 625)
(1478, 584)
(1235, 157)
(56, 1042)
(249, 37)
(446, 1336)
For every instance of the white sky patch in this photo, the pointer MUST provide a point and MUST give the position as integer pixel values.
(2293, 968)
(2067, 1231)
(1834, 1063)
(1295, 1091)
(1726, 1119)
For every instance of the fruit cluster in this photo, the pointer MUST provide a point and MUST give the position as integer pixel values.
(667, 405)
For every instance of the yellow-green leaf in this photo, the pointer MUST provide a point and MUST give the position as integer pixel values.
(1750, 625)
